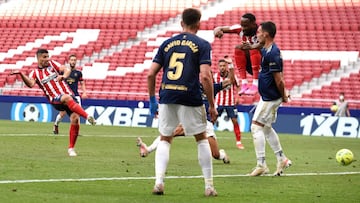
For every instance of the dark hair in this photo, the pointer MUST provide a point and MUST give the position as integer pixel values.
(222, 60)
(41, 51)
(249, 16)
(191, 16)
(269, 27)
(72, 55)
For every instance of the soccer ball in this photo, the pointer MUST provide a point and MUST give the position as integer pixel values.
(344, 157)
(334, 108)
(31, 113)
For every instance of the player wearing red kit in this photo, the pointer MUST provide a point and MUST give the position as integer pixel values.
(57, 91)
(247, 54)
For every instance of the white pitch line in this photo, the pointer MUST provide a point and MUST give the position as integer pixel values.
(168, 177)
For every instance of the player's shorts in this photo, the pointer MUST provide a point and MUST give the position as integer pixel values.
(210, 130)
(193, 119)
(266, 111)
(56, 103)
(230, 110)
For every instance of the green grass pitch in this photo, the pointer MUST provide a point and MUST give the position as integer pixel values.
(34, 167)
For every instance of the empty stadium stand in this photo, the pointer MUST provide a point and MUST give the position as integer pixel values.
(122, 37)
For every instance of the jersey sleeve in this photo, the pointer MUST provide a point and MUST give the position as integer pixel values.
(205, 53)
(275, 61)
(235, 29)
(32, 75)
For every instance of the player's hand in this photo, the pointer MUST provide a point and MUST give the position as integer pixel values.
(14, 72)
(213, 114)
(228, 59)
(243, 46)
(218, 33)
(60, 78)
(153, 106)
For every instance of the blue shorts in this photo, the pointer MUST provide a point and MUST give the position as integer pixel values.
(231, 111)
(56, 103)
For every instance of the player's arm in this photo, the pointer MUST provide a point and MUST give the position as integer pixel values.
(66, 70)
(30, 82)
(207, 83)
(220, 30)
(83, 88)
(151, 77)
(280, 84)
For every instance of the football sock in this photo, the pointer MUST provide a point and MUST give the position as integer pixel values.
(58, 119)
(222, 155)
(205, 161)
(73, 134)
(255, 82)
(75, 107)
(153, 145)
(161, 161)
(237, 132)
(274, 142)
(259, 142)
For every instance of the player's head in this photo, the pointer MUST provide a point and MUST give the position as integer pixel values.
(248, 24)
(341, 96)
(191, 19)
(267, 30)
(72, 61)
(42, 56)
(223, 68)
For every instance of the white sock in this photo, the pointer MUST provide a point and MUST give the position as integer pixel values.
(259, 143)
(205, 161)
(58, 119)
(274, 142)
(255, 82)
(222, 155)
(162, 155)
(153, 145)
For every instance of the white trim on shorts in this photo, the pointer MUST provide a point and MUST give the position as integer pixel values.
(266, 111)
(192, 118)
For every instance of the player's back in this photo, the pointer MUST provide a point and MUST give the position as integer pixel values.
(181, 57)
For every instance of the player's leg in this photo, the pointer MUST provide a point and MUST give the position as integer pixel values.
(167, 123)
(232, 113)
(257, 130)
(58, 119)
(73, 133)
(215, 152)
(240, 61)
(193, 120)
(255, 57)
(75, 107)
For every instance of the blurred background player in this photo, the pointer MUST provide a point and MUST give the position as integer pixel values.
(247, 54)
(185, 60)
(273, 93)
(225, 100)
(73, 81)
(341, 107)
(47, 76)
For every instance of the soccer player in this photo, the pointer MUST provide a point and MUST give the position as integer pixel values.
(272, 92)
(73, 80)
(185, 60)
(179, 131)
(225, 100)
(57, 91)
(247, 54)
(342, 106)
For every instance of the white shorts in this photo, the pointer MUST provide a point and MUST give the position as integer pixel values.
(266, 111)
(193, 119)
(210, 130)
(78, 98)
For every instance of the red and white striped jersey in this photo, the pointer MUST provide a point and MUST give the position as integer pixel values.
(237, 29)
(46, 79)
(226, 97)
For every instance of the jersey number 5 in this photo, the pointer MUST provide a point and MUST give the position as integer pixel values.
(177, 65)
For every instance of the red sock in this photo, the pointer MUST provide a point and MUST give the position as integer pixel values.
(75, 107)
(237, 132)
(73, 134)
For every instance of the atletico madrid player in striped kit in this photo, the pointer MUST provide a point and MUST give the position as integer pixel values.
(59, 94)
(247, 53)
(225, 100)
